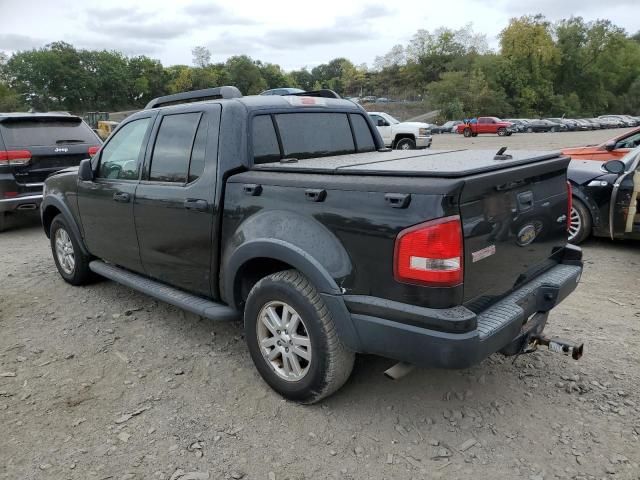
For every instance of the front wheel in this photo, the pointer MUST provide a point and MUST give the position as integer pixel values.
(529, 130)
(553, 130)
(72, 264)
(502, 132)
(293, 340)
(579, 223)
(406, 144)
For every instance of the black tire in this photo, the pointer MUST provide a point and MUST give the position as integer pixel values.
(330, 362)
(502, 132)
(586, 223)
(474, 134)
(553, 130)
(406, 144)
(80, 274)
(529, 130)
(3, 221)
(467, 132)
(509, 134)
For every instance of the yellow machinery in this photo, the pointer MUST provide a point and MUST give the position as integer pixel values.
(105, 127)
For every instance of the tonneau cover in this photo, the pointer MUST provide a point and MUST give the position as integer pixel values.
(422, 163)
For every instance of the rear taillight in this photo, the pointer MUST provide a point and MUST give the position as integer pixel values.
(569, 203)
(15, 158)
(430, 253)
(93, 150)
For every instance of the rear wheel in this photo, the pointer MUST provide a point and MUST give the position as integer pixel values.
(502, 131)
(72, 264)
(293, 340)
(580, 222)
(467, 132)
(553, 130)
(406, 144)
(529, 130)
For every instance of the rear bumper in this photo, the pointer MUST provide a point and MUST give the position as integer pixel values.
(20, 203)
(457, 337)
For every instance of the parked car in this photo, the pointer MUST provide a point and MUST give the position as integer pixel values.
(368, 99)
(535, 126)
(282, 91)
(606, 198)
(447, 127)
(519, 124)
(597, 124)
(584, 125)
(32, 147)
(401, 135)
(619, 121)
(288, 212)
(382, 100)
(486, 125)
(568, 124)
(616, 147)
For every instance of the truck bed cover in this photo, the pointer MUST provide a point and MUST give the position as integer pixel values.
(432, 163)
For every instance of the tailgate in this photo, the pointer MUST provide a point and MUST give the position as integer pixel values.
(513, 221)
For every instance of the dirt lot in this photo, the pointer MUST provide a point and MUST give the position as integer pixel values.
(100, 382)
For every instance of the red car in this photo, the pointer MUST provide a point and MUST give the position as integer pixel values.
(486, 125)
(612, 149)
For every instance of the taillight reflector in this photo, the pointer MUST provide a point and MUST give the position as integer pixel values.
(569, 203)
(430, 253)
(93, 150)
(15, 157)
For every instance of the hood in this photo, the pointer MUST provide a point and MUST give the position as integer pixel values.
(583, 171)
(581, 150)
(413, 125)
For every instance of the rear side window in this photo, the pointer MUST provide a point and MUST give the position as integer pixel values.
(46, 132)
(172, 151)
(307, 135)
(265, 140)
(362, 134)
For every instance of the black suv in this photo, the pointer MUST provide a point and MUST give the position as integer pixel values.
(289, 211)
(32, 147)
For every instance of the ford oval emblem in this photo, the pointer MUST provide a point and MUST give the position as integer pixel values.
(527, 235)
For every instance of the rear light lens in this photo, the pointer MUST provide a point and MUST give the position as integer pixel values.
(93, 150)
(10, 194)
(569, 203)
(430, 253)
(15, 158)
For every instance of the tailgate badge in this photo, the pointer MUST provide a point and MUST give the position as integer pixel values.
(484, 253)
(61, 149)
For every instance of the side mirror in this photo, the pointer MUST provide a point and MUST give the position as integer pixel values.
(85, 172)
(615, 166)
(611, 145)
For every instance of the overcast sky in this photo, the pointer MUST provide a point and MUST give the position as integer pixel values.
(286, 32)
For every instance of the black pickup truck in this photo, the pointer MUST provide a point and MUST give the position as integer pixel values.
(289, 211)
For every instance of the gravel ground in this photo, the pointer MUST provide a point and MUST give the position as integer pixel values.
(101, 382)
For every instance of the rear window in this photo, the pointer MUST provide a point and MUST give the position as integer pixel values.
(309, 135)
(46, 132)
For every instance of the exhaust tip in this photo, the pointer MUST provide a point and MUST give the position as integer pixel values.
(399, 370)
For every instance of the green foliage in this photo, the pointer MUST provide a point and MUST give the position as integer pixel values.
(572, 67)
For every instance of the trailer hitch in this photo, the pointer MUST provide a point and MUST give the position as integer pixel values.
(557, 345)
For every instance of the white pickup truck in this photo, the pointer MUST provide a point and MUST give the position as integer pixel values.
(402, 135)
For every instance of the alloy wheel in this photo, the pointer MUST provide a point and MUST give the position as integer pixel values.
(64, 251)
(284, 340)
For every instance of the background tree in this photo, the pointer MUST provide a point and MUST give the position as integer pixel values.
(201, 56)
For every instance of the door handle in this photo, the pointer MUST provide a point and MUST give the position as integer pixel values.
(195, 204)
(123, 197)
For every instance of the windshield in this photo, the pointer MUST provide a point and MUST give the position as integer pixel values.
(631, 157)
(391, 119)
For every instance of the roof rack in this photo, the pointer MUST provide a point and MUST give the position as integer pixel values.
(195, 96)
(324, 93)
